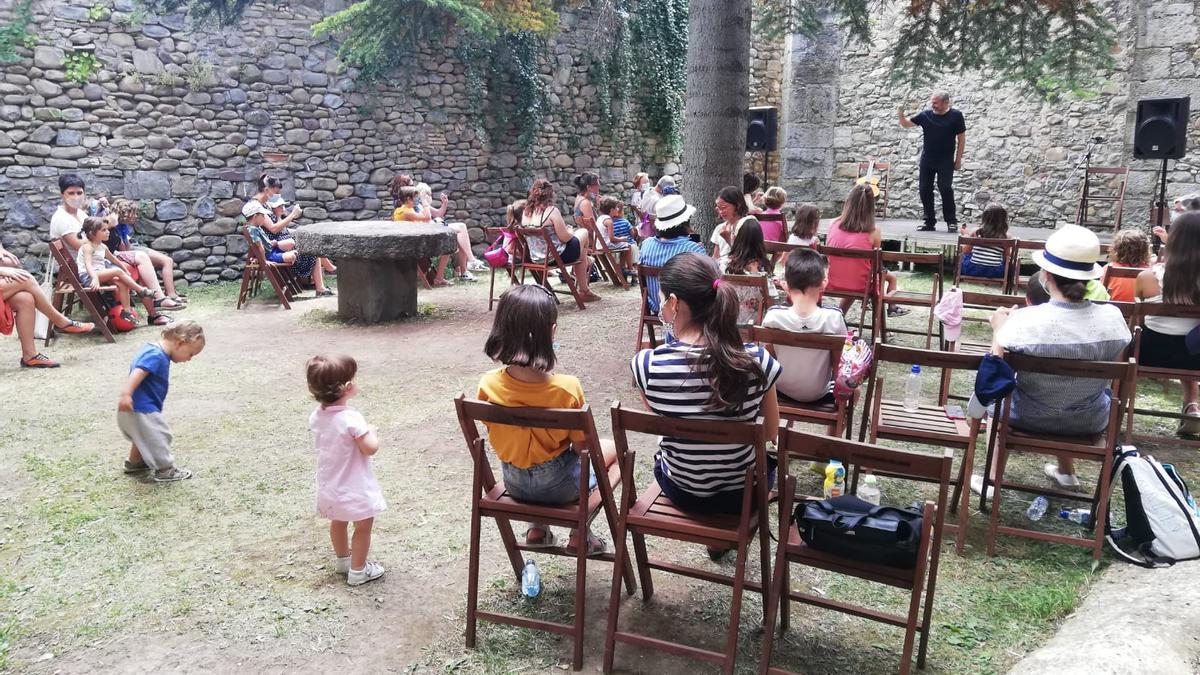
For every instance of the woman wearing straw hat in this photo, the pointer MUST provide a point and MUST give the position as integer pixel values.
(1067, 327)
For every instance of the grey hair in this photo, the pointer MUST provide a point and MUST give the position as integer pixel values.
(942, 96)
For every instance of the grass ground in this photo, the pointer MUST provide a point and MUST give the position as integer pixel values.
(230, 571)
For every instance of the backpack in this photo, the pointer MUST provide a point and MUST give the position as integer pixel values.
(1161, 521)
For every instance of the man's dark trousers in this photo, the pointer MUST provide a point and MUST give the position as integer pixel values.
(944, 175)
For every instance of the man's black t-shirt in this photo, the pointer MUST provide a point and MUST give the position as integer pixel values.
(939, 132)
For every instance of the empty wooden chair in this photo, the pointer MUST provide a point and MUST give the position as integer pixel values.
(1102, 198)
(68, 290)
(911, 298)
(882, 171)
(541, 270)
(920, 581)
(836, 415)
(648, 320)
(1096, 447)
(489, 499)
(653, 514)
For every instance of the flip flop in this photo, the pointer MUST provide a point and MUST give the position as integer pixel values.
(548, 541)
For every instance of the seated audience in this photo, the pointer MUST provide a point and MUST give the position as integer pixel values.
(672, 219)
(1067, 327)
(1130, 248)
(279, 245)
(126, 213)
(752, 192)
(664, 186)
(465, 261)
(986, 261)
(571, 244)
(705, 372)
(98, 267)
(773, 201)
(540, 466)
(587, 186)
(408, 211)
(617, 232)
(1165, 339)
(807, 373)
(641, 186)
(748, 256)
(804, 227)
(20, 299)
(855, 229)
(733, 213)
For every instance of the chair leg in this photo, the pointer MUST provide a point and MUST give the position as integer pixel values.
(773, 600)
(614, 597)
(764, 554)
(739, 584)
(492, 290)
(643, 565)
(962, 496)
(581, 591)
(473, 569)
(510, 546)
(1100, 508)
(994, 517)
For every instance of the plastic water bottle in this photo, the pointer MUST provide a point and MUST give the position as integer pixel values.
(1038, 508)
(912, 389)
(835, 479)
(868, 491)
(1081, 516)
(531, 580)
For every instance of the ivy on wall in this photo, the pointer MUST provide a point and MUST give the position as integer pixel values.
(15, 33)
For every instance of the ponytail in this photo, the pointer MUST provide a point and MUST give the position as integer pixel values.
(1072, 289)
(266, 181)
(732, 372)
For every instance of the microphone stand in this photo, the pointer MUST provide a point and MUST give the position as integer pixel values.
(1085, 164)
(1161, 211)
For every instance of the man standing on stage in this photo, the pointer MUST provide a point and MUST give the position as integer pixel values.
(944, 135)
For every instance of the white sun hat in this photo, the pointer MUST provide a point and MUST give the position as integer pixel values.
(671, 211)
(1071, 252)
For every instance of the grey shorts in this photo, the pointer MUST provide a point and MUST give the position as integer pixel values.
(152, 436)
(552, 482)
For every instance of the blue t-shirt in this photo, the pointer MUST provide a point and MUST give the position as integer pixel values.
(656, 252)
(150, 394)
(621, 227)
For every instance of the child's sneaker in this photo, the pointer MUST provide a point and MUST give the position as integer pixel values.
(341, 565)
(171, 475)
(370, 572)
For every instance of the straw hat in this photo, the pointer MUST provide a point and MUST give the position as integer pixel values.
(671, 211)
(1071, 252)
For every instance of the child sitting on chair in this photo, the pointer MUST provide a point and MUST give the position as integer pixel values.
(986, 261)
(98, 266)
(617, 232)
(748, 256)
(806, 372)
(540, 466)
(1130, 248)
(347, 491)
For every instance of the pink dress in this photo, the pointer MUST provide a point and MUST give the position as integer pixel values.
(772, 229)
(848, 274)
(346, 485)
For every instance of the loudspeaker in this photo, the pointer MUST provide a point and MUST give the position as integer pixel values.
(762, 129)
(1161, 131)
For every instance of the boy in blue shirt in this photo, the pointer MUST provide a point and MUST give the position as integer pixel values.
(139, 412)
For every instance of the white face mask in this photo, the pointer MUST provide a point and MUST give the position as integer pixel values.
(75, 202)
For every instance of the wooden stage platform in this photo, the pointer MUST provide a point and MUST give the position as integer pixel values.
(905, 231)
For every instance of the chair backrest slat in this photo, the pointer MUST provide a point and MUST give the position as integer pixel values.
(708, 431)
(571, 419)
(797, 444)
(1094, 370)
(926, 357)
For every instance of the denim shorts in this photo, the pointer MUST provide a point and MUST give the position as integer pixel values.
(552, 482)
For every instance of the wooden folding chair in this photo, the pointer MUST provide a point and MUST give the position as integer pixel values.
(837, 416)
(648, 319)
(754, 296)
(1116, 272)
(778, 251)
(920, 580)
(68, 290)
(870, 294)
(257, 267)
(1166, 311)
(490, 499)
(653, 514)
(928, 424)
(1102, 197)
(1095, 447)
(773, 218)
(494, 233)
(911, 298)
(553, 261)
(1019, 281)
(606, 260)
(1008, 252)
(883, 171)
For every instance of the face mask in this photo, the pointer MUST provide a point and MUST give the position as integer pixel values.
(75, 202)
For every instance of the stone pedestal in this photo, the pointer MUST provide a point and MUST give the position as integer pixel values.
(377, 263)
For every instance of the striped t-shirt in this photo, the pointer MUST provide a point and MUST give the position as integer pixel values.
(988, 256)
(676, 384)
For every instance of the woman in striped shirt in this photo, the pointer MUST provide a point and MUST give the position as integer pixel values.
(705, 372)
(987, 261)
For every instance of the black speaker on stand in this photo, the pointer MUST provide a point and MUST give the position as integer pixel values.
(762, 134)
(1161, 133)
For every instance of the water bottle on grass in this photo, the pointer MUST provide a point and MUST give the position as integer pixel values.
(868, 491)
(1081, 516)
(1038, 508)
(912, 389)
(531, 580)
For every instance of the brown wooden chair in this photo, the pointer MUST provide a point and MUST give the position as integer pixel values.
(773, 218)
(913, 298)
(1008, 251)
(1102, 197)
(1095, 447)
(837, 416)
(653, 514)
(778, 251)
(648, 319)
(606, 260)
(489, 499)
(514, 256)
(1113, 272)
(754, 295)
(68, 290)
(927, 425)
(552, 262)
(883, 170)
(257, 267)
(920, 581)
(988, 302)
(868, 295)
(1144, 310)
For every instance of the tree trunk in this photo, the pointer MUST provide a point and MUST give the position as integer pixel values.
(717, 98)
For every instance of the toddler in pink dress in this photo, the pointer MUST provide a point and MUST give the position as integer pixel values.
(347, 491)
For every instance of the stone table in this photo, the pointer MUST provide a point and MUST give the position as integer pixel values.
(377, 262)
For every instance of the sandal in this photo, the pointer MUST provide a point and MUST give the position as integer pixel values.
(171, 475)
(139, 467)
(145, 293)
(161, 303)
(595, 545)
(75, 327)
(158, 320)
(1190, 426)
(547, 539)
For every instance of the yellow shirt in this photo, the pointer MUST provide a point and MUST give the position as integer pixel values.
(524, 447)
(402, 211)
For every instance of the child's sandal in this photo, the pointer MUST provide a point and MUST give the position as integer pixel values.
(547, 539)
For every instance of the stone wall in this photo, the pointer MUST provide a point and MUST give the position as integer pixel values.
(184, 119)
(1020, 150)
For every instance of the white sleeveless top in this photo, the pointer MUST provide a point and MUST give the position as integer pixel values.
(97, 259)
(1167, 325)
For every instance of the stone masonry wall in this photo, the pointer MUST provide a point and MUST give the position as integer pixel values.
(1020, 150)
(184, 119)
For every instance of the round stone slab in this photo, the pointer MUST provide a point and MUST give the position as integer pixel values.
(377, 263)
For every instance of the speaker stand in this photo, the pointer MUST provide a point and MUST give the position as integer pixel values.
(1160, 207)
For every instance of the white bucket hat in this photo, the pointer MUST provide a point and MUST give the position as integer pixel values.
(671, 211)
(1071, 252)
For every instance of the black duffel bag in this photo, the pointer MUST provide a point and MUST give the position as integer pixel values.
(852, 528)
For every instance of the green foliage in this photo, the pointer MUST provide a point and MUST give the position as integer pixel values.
(198, 73)
(98, 12)
(659, 36)
(80, 66)
(15, 33)
(611, 74)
